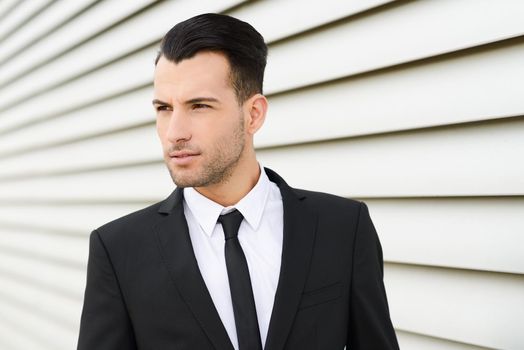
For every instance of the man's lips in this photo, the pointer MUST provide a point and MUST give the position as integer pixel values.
(182, 157)
(182, 153)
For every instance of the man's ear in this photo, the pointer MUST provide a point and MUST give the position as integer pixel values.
(256, 107)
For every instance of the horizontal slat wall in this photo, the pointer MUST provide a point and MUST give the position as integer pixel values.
(472, 307)
(490, 228)
(412, 106)
(48, 20)
(416, 341)
(25, 11)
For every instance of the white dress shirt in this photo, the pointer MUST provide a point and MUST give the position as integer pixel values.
(260, 236)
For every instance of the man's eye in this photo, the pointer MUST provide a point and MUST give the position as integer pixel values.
(200, 106)
(162, 108)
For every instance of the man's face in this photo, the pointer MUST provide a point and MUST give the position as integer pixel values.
(199, 121)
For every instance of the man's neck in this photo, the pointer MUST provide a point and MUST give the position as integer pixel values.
(233, 189)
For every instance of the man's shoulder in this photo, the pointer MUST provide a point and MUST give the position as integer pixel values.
(335, 213)
(332, 207)
(327, 199)
(137, 222)
(315, 198)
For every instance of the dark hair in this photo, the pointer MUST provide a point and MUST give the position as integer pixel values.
(242, 45)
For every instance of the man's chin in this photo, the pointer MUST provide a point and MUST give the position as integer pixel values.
(184, 180)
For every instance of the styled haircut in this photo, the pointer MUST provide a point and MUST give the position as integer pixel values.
(241, 44)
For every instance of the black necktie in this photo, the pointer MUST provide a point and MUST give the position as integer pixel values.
(244, 309)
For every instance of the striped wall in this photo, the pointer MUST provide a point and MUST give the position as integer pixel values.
(415, 107)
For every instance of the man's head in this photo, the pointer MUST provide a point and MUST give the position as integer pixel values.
(238, 41)
(208, 85)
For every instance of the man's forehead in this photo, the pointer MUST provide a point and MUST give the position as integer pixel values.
(205, 70)
(202, 60)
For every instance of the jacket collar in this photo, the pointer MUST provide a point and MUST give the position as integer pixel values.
(300, 223)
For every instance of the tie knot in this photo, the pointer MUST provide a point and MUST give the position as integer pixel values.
(231, 223)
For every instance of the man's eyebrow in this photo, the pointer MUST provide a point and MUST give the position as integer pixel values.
(188, 102)
(159, 102)
(201, 99)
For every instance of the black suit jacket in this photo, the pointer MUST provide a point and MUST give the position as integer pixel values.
(144, 289)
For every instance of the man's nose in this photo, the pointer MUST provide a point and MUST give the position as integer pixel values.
(179, 127)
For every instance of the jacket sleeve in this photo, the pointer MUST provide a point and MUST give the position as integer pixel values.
(105, 323)
(370, 325)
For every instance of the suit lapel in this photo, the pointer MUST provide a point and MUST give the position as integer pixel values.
(177, 251)
(299, 234)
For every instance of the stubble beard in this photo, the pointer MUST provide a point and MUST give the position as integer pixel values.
(221, 161)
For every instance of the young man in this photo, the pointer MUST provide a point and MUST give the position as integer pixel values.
(234, 258)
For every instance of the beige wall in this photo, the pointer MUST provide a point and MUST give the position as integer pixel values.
(415, 107)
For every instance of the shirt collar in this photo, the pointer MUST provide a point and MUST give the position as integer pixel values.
(206, 212)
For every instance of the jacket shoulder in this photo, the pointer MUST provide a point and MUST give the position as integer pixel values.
(131, 224)
(326, 199)
(340, 211)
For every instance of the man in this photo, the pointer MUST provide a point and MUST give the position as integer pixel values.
(234, 258)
